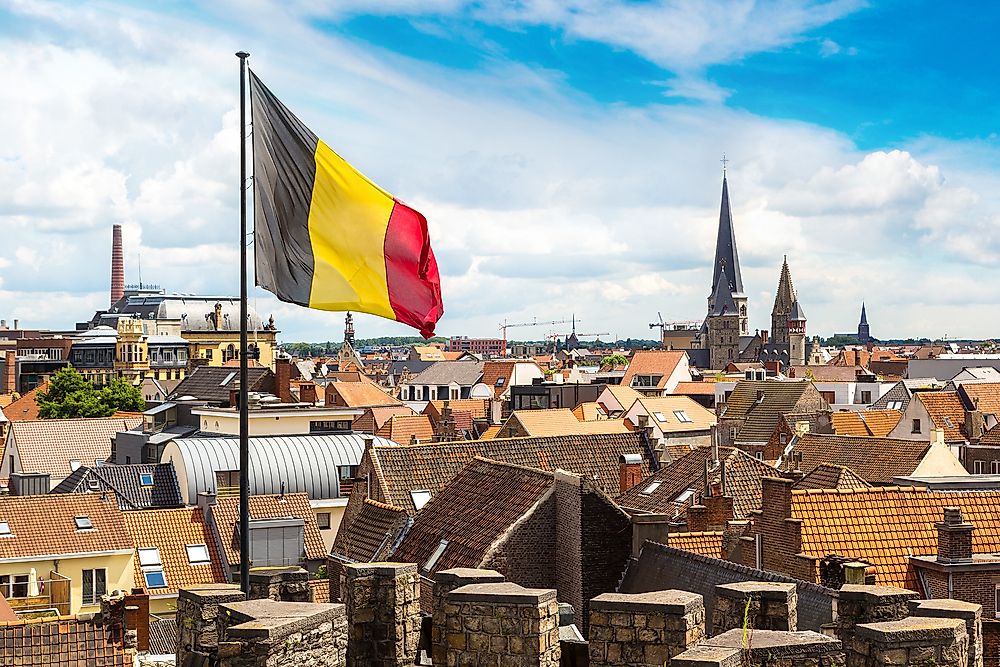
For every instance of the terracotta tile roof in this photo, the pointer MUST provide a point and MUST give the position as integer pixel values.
(991, 437)
(760, 417)
(661, 410)
(885, 525)
(372, 419)
(320, 590)
(670, 496)
(357, 395)
(881, 422)
(851, 357)
(849, 423)
(472, 512)
(560, 421)
(652, 362)
(373, 532)
(226, 516)
(213, 383)
(625, 396)
(589, 411)
(707, 544)
(829, 476)
(480, 408)
(947, 412)
(66, 641)
(48, 445)
(490, 432)
(400, 470)
(26, 407)
(695, 388)
(125, 481)
(403, 428)
(982, 396)
(170, 531)
(876, 460)
(44, 525)
(495, 371)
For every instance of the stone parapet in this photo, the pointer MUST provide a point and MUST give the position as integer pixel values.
(644, 628)
(913, 641)
(764, 648)
(198, 618)
(502, 624)
(383, 605)
(445, 582)
(870, 604)
(969, 612)
(287, 584)
(757, 604)
(268, 633)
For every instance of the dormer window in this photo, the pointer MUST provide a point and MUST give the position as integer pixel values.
(93, 484)
(83, 522)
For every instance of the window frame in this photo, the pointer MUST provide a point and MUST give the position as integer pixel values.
(208, 556)
(915, 426)
(97, 588)
(326, 520)
(146, 561)
(83, 522)
(156, 571)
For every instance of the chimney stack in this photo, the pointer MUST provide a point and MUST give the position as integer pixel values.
(629, 471)
(117, 265)
(954, 537)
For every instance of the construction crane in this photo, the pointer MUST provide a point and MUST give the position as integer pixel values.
(534, 323)
(661, 324)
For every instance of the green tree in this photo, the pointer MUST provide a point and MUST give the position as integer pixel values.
(614, 360)
(120, 396)
(69, 394)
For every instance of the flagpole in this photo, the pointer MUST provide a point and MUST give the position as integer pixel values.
(244, 414)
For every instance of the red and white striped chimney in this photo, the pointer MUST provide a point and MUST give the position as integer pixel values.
(117, 265)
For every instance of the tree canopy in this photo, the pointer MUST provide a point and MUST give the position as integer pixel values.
(69, 394)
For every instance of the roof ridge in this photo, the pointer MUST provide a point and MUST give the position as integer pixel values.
(518, 466)
(381, 505)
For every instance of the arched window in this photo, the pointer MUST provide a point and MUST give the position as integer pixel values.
(230, 353)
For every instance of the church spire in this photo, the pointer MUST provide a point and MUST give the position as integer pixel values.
(785, 296)
(727, 260)
(864, 315)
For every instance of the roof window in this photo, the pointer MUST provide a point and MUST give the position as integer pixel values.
(501, 380)
(682, 417)
(93, 484)
(659, 416)
(83, 522)
(228, 379)
(149, 556)
(198, 554)
(74, 464)
(685, 496)
(155, 578)
(653, 486)
(420, 498)
(146, 479)
(435, 556)
(5, 528)
(98, 463)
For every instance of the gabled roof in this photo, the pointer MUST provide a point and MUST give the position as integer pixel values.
(762, 404)
(372, 419)
(226, 516)
(357, 395)
(67, 641)
(830, 476)
(868, 423)
(400, 470)
(373, 532)
(125, 481)
(886, 525)
(25, 407)
(652, 362)
(662, 409)
(984, 397)
(45, 526)
(403, 428)
(170, 531)
(695, 389)
(498, 374)
(946, 410)
(462, 373)
(876, 460)
(743, 475)
(48, 445)
(561, 421)
(589, 411)
(472, 513)
(213, 383)
(625, 395)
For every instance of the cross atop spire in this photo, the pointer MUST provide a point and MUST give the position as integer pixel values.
(724, 162)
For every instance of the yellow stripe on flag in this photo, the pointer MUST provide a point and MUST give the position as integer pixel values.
(348, 217)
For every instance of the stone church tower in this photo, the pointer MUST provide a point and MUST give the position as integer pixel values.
(724, 325)
(788, 320)
(864, 332)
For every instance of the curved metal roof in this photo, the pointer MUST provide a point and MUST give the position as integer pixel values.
(305, 463)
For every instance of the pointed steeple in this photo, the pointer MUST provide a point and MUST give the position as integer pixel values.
(727, 260)
(785, 296)
(796, 314)
(722, 299)
(864, 315)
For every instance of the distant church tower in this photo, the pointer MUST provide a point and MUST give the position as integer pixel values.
(788, 320)
(572, 342)
(727, 304)
(349, 328)
(864, 333)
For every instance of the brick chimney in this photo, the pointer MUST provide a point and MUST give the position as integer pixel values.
(776, 495)
(763, 336)
(307, 393)
(117, 265)
(10, 373)
(137, 617)
(282, 379)
(629, 471)
(954, 537)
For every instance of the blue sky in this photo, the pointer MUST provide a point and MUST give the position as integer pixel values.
(565, 153)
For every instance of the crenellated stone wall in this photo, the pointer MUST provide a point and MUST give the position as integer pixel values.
(644, 628)
(967, 611)
(764, 648)
(761, 605)
(445, 582)
(287, 584)
(911, 642)
(198, 619)
(269, 633)
(501, 625)
(383, 606)
(857, 604)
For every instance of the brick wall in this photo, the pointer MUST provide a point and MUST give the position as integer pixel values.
(568, 547)
(781, 535)
(527, 556)
(606, 535)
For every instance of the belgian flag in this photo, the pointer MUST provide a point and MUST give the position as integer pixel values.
(325, 236)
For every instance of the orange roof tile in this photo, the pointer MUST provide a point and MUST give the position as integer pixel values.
(695, 388)
(66, 641)
(48, 445)
(589, 411)
(490, 432)
(707, 544)
(661, 410)
(373, 418)
(984, 396)
(478, 407)
(26, 407)
(946, 411)
(653, 362)
(881, 422)
(45, 525)
(170, 531)
(357, 395)
(227, 513)
(885, 525)
(849, 423)
(403, 428)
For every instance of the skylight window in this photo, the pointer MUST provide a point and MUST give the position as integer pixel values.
(659, 416)
(228, 379)
(653, 486)
(155, 579)
(149, 556)
(5, 528)
(93, 484)
(435, 556)
(420, 498)
(948, 422)
(98, 463)
(682, 417)
(74, 464)
(685, 496)
(146, 479)
(198, 554)
(501, 380)
(83, 522)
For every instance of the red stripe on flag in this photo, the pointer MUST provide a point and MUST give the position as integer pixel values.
(411, 271)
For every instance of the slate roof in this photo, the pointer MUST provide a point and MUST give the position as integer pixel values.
(652, 362)
(463, 373)
(946, 410)
(171, 530)
(400, 470)
(67, 641)
(226, 515)
(358, 395)
(727, 259)
(213, 383)
(126, 483)
(760, 419)
(876, 460)
(45, 526)
(885, 525)
(373, 532)
(472, 512)
(403, 428)
(373, 418)
(876, 423)
(48, 445)
(705, 543)
(984, 397)
(830, 476)
(743, 475)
